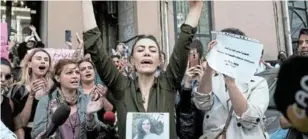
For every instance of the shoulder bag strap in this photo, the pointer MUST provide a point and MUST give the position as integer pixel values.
(224, 131)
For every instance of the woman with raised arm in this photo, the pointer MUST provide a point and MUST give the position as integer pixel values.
(146, 93)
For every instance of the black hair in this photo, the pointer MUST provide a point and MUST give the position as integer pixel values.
(234, 31)
(6, 62)
(115, 56)
(26, 30)
(162, 53)
(140, 37)
(141, 132)
(197, 45)
(303, 31)
(22, 50)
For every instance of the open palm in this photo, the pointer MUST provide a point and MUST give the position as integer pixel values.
(95, 104)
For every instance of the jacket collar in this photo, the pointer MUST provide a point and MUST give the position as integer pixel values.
(137, 87)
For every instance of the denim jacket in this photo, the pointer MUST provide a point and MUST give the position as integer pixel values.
(43, 116)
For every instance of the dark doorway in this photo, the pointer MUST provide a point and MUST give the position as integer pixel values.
(106, 17)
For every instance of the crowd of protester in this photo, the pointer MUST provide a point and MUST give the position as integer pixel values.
(202, 103)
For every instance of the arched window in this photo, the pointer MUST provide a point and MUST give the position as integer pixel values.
(298, 14)
(180, 10)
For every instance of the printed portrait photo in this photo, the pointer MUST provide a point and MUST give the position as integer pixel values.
(148, 126)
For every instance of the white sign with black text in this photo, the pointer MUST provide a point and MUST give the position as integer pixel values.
(6, 133)
(235, 56)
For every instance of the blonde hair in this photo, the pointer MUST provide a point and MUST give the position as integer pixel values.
(26, 71)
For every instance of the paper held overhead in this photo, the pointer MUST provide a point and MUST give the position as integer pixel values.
(235, 56)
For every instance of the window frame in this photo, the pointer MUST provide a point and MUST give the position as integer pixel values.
(198, 34)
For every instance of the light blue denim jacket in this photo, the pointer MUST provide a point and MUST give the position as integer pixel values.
(43, 116)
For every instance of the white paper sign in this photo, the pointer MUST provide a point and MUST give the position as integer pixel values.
(147, 126)
(6, 133)
(57, 54)
(235, 56)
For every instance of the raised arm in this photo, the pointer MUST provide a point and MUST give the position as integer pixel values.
(93, 45)
(33, 29)
(178, 60)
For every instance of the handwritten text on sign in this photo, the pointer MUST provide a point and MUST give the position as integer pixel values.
(57, 54)
(235, 56)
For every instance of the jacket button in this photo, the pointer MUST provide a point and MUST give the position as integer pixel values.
(207, 117)
(258, 119)
(239, 124)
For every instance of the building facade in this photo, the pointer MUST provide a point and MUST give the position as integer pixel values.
(273, 23)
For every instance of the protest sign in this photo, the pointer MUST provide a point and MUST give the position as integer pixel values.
(6, 133)
(155, 124)
(57, 54)
(235, 56)
(4, 38)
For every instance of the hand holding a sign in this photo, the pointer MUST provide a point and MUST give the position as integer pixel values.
(229, 80)
(206, 80)
(205, 64)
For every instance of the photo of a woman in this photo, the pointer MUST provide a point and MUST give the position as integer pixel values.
(146, 130)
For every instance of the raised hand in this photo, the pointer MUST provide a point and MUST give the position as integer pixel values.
(69, 44)
(195, 4)
(33, 29)
(96, 103)
(101, 90)
(195, 8)
(38, 88)
(80, 41)
(211, 44)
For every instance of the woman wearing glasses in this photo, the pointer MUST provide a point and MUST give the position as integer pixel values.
(7, 105)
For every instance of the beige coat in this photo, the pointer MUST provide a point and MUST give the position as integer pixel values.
(217, 105)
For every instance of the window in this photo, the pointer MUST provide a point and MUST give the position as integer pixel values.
(19, 15)
(298, 19)
(205, 22)
(107, 21)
